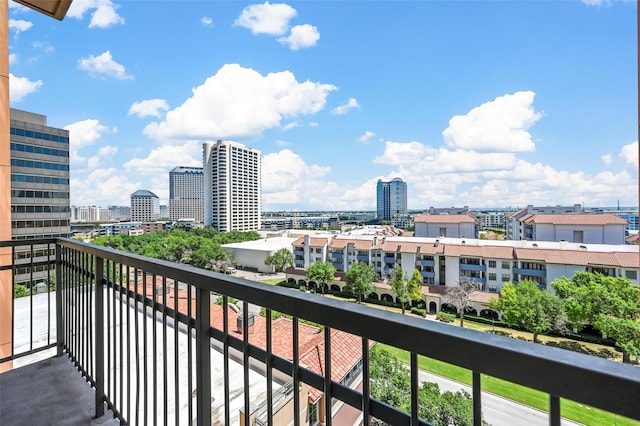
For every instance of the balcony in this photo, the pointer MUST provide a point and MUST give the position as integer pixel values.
(389, 259)
(472, 267)
(149, 340)
(530, 272)
(427, 262)
(428, 274)
(337, 255)
(298, 252)
(363, 257)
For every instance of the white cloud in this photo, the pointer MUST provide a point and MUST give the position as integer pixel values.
(19, 25)
(286, 176)
(240, 103)
(105, 16)
(301, 36)
(163, 158)
(107, 151)
(606, 159)
(103, 65)
(400, 153)
(19, 87)
(597, 2)
(497, 126)
(629, 153)
(313, 124)
(345, 108)
(45, 47)
(206, 21)
(84, 133)
(103, 187)
(266, 18)
(292, 125)
(13, 58)
(149, 108)
(365, 138)
(104, 13)
(78, 8)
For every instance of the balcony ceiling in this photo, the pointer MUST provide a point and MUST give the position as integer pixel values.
(53, 8)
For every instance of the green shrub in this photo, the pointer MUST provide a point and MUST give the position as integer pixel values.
(20, 290)
(419, 311)
(445, 317)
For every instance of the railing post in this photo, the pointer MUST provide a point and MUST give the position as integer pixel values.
(477, 398)
(203, 357)
(59, 326)
(100, 353)
(554, 410)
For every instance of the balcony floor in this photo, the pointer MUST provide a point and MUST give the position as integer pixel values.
(48, 392)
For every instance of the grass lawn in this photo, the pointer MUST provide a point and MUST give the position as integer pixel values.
(272, 281)
(537, 399)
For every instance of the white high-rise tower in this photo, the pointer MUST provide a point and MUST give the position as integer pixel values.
(232, 183)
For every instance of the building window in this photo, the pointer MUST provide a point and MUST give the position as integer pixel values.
(505, 278)
(492, 276)
(506, 264)
(492, 264)
(313, 413)
(632, 275)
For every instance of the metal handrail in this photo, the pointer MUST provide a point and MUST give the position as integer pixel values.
(605, 384)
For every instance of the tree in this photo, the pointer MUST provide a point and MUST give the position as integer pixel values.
(610, 304)
(407, 291)
(389, 381)
(460, 297)
(321, 272)
(280, 260)
(359, 280)
(525, 305)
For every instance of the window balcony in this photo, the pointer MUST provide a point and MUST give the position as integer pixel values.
(148, 338)
(530, 272)
(472, 267)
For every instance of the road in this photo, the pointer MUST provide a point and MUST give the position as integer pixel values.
(496, 410)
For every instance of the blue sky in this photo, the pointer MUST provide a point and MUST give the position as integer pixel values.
(478, 103)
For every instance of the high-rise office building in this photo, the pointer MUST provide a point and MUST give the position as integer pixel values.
(40, 208)
(145, 206)
(392, 201)
(232, 184)
(39, 178)
(186, 193)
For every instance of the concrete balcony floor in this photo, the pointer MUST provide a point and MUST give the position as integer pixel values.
(48, 392)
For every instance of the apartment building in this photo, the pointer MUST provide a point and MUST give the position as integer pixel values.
(281, 223)
(186, 193)
(445, 262)
(119, 213)
(446, 225)
(145, 206)
(514, 229)
(391, 202)
(232, 186)
(575, 228)
(89, 214)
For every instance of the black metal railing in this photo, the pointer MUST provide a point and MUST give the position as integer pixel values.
(140, 331)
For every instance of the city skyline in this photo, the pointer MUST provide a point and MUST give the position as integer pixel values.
(494, 103)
